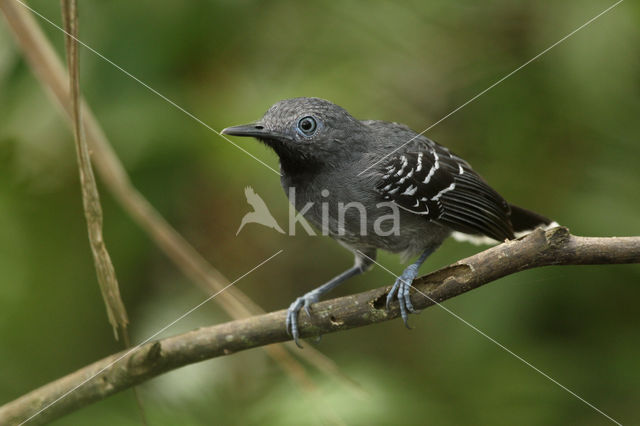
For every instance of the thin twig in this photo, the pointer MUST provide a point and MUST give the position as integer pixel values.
(91, 200)
(47, 67)
(123, 370)
(90, 197)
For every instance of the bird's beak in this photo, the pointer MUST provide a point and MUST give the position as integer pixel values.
(255, 130)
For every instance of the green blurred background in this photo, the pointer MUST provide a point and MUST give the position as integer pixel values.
(562, 136)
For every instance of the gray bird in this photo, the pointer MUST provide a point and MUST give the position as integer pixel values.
(348, 177)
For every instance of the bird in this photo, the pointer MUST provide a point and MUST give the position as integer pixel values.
(348, 177)
(260, 213)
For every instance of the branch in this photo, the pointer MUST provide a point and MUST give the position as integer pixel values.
(90, 197)
(47, 67)
(129, 368)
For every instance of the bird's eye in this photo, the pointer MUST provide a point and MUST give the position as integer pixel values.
(307, 125)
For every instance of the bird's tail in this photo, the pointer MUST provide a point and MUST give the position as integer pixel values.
(525, 221)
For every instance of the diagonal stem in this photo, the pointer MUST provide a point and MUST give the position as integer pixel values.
(46, 65)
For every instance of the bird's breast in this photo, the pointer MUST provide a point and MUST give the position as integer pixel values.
(358, 215)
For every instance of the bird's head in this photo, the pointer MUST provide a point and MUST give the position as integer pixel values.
(306, 132)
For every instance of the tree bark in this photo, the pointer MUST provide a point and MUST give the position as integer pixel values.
(128, 368)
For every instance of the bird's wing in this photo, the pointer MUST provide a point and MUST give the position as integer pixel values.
(432, 182)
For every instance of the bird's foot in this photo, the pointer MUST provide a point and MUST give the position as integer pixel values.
(292, 313)
(400, 291)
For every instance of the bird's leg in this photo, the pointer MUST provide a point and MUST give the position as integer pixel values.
(361, 265)
(401, 287)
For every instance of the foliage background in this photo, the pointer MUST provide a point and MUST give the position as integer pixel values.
(561, 137)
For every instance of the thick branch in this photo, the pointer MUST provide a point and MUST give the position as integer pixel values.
(540, 248)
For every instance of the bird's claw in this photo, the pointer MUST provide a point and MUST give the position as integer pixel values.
(292, 314)
(401, 291)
